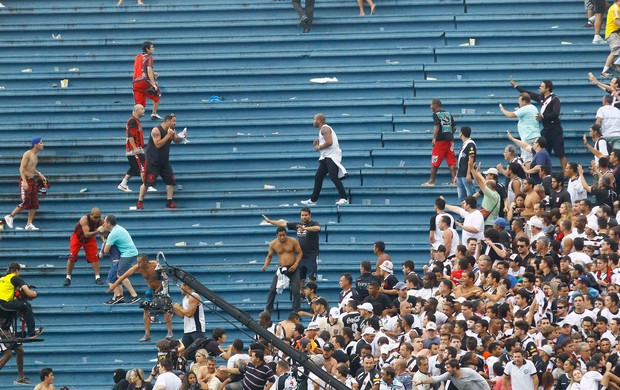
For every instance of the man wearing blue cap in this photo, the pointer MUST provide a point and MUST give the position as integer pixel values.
(28, 185)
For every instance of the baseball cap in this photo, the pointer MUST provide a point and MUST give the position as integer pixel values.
(319, 360)
(431, 326)
(334, 312)
(369, 330)
(400, 286)
(583, 279)
(313, 326)
(328, 346)
(501, 222)
(35, 141)
(385, 349)
(439, 247)
(387, 266)
(491, 171)
(592, 225)
(547, 349)
(535, 222)
(366, 306)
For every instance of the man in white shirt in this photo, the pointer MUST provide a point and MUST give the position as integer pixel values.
(575, 188)
(520, 372)
(166, 379)
(473, 223)
(608, 117)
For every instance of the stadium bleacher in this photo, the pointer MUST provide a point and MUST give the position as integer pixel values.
(254, 56)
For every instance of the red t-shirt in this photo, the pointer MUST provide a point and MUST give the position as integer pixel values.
(133, 129)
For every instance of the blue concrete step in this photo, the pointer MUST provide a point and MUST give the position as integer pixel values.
(74, 51)
(109, 128)
(520, 70)
(232, 93)
(510, 55)
(499, 89)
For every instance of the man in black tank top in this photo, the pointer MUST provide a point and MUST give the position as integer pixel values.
(158, 160)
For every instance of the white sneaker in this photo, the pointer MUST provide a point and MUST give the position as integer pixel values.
(342, 201)
(9, 221)
(308, 202)
(31, 227)
(151, 189)
(124, 188)
(598, 40)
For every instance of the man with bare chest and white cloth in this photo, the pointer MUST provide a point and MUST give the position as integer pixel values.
(289, 255)
(29, 190)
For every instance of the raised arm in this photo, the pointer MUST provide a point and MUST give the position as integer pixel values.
(509, 114)
(278, 223)
(584, 183)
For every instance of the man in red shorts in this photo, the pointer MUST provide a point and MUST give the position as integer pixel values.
(134, 147)
(28, 185)
(443, 142)
(144, 84)
(84, 236)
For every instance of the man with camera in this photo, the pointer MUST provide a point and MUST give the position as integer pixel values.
(14, 296)
(193, 314)
(150, 271)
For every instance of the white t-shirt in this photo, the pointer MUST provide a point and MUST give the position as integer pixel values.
(521, 375)
(169, 381)
(575, 319)
(590, 380)
(474, 219)
(610, 121)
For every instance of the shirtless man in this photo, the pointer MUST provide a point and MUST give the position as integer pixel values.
(531, 199)
(289, 256)
(47, 380)
(147, 269)
(466, 287)
(28, 185)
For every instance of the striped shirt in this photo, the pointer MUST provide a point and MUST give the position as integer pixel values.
(255, 378)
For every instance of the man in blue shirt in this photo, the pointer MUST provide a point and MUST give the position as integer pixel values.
(541, 156)
(120, 238)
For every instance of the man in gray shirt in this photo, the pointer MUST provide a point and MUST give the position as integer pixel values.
(461, 378)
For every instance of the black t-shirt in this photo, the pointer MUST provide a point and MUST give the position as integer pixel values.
(373, 321)
(389, 282)
(468, 150)
(361, 284)
(374, 378)
(604, 196)
(446, 125)
(308, 241)
(353, 320)
(556, 198)
(379, 304)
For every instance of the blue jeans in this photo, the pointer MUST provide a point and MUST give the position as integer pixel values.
(463, 188)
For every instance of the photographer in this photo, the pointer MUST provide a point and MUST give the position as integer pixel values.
(14, 295)
(150, 271)
(193, 315)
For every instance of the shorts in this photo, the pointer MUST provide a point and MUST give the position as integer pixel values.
(90, 249)
(613, 40)
(136, 165)
(30, 197)
(113, 272)
(149, 294)
(141, 92)
(598, 6)
(153, 171)
(308, 268)
(125, 263)
(441, 150)
(555, 141)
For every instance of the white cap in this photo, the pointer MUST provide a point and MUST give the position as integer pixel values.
(366, 306)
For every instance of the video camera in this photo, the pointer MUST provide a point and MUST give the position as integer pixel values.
(161, 302)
